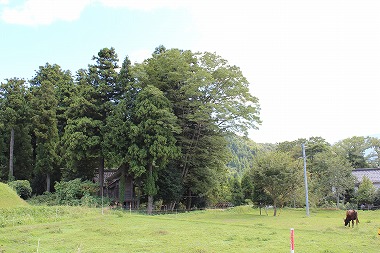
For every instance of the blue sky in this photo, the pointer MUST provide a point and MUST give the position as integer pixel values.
(314, 65)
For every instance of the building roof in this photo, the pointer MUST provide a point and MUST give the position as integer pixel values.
(107, 174)
(372, 174)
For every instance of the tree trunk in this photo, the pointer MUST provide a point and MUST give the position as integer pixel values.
(138, 193)
(188, 204)
(48, 182)
(11, 147)
(150, 196)
(101, 175)
(122, 183)
(337, 200)
(150, 205)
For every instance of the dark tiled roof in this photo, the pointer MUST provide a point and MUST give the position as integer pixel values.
(107, 174)
(372, 174)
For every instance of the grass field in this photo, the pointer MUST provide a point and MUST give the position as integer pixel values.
(242, 229)
(9, 198)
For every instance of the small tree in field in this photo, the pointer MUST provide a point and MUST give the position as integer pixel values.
(278, 175)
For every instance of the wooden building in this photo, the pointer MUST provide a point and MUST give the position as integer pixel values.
(111, 187)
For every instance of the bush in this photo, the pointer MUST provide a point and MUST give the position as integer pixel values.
(46, 199)
(22, 187)
(71, 192)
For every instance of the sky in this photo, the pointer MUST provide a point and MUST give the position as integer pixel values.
(313, 65)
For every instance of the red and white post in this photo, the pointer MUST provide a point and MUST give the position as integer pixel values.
(292, 240)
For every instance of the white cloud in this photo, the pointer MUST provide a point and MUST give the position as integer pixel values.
(145, 5)
(44, 12)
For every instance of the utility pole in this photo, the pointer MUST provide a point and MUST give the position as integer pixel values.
(305, 179)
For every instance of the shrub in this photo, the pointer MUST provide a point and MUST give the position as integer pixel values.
(46, 199)
(72, 192)
(22, 187)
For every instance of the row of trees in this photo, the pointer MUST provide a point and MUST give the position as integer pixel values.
(169, 122)
(164, 121)
(276, 173)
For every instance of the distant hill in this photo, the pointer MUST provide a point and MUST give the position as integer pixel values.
(9, 198)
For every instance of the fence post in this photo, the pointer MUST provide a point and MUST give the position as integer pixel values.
(292, 240)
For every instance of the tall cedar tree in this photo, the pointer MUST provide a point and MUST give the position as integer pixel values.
(103, 78)
(45, 123)
(152, 137)
(15, 119)
(81, 139)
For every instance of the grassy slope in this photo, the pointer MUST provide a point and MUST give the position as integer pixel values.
(9, 198)
(237, 230)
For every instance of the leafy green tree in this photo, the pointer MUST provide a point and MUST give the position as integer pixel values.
(332, 176)
(278, 175)
(247, 187)
(45, 123)
(354, 150)
(366, 192)
(313, 146)
(169, 186)
(152, 138)
(374, 156)
(237, 192)
(210, 98)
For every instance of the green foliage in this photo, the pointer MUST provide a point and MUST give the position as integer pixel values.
(366, 191)
(71, 192)
(169, 185)
(237, 195)
(174, 108)
(22, 187)
(278, 175)
(45, 199)
(313, 146)
(353, 149)
(150, 186)
(373, 158)
(332, 177)
(243, 151)
(45, 123)
(247, 187)
(15, 118)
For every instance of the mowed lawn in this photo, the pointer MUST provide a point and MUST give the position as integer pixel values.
(241, 229)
